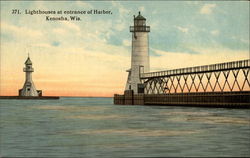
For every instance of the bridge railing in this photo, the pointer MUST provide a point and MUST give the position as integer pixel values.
(198, 69)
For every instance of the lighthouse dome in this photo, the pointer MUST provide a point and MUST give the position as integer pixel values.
(140, 17)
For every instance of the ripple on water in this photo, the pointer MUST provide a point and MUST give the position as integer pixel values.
(205, 117)
(70, 108)
(99, 117)
(137, 132)
(185, 113)
(221, 120)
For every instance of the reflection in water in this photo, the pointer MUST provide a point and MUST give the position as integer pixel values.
(69, 108)
(204, 117)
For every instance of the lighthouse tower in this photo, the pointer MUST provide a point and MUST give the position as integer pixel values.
(29, 88)
(140, 54)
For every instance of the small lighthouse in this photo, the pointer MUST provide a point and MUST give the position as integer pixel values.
(140, 54)
(29, 88)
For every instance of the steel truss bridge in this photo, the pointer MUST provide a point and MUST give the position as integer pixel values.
(223, 77)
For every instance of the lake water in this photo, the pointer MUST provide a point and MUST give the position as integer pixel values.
(94, 127)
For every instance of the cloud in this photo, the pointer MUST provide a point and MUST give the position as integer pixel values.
(155, 12)
(71, 25)
(20, 31)
(55, 43)
(39, 45)
(126, 43)
(207, 8)
(182, 29)
(215, 32)
(122, 10)
(141, 9)
(246, 41)
(59, 31)
(84, 4)
(120, 26)
(122, 21)
(172, 60)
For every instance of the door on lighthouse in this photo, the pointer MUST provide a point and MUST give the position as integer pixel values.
(140, 88)
(28, 88)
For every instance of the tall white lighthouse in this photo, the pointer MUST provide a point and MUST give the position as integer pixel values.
(29, 88)
(140, 54)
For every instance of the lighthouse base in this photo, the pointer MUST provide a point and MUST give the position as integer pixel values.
(38, 92)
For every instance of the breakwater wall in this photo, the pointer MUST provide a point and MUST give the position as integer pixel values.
(239, 99)
(29, 97)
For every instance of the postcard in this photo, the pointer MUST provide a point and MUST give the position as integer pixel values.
(124, 79)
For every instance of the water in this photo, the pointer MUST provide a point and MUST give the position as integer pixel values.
(94, 127)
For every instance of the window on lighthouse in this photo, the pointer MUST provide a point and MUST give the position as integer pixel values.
(140, 23)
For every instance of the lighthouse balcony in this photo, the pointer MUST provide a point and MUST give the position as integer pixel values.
(28, 69)
(139, 28)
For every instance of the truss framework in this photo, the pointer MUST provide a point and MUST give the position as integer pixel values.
(224, 80)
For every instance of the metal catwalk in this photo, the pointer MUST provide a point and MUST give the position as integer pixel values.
(222, 77)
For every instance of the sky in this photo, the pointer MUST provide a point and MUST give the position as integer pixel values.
(90, 57)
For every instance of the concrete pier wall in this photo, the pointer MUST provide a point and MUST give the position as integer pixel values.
(129, 98)
(208, 99)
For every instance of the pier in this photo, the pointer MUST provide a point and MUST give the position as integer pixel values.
(218, 85)
(31, 97)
